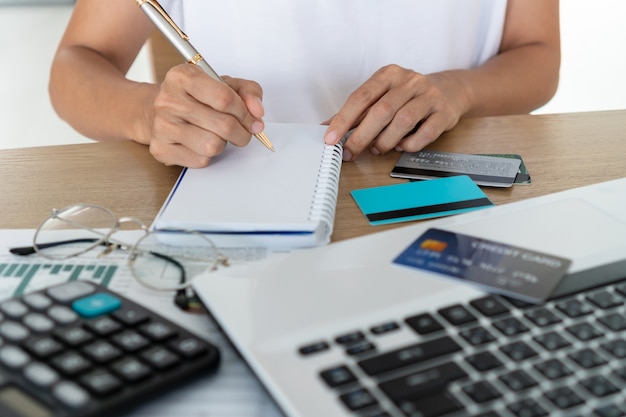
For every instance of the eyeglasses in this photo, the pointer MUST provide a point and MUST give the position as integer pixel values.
(162, 261)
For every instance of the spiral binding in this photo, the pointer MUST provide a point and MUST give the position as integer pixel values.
(324, 201)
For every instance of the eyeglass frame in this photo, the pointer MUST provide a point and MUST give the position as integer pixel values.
(181, 298)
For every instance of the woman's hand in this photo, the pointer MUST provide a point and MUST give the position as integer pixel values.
(397, 108)
(193, 116)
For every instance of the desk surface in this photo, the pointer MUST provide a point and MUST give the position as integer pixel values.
(560, 151)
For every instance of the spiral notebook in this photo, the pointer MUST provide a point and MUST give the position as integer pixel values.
(250, 196)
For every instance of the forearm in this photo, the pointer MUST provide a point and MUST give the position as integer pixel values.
(95, 98)
(516, 81)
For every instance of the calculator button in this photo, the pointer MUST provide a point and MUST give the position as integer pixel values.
(43, 347)
(70, 394)
(130, 316)
(189, 347)
(38, 322)
(62, 314)
(13, 357)
(41, 374)
(130, 341)
(100, 382)
(96, 305)
(71, 291)
(71, 363)
(14, 331)
(14, 308)
(37, 301)
(73, 336)
(103, 326)
(158, 331)
(160, 358)
(131, 369)
(102, 351)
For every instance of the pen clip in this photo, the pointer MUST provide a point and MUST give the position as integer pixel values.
(155, 4)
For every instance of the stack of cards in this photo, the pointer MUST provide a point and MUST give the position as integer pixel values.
(487, 170)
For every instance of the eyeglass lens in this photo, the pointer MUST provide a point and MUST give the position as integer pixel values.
(77, 228)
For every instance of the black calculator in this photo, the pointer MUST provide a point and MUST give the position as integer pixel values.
(79, 349)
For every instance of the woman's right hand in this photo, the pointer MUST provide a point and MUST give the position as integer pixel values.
(193, 116)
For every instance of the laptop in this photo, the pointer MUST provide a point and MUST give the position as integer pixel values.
(342, 331)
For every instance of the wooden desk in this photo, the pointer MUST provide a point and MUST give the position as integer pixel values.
(561, 152)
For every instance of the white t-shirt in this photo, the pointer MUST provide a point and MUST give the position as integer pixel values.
(310, 55)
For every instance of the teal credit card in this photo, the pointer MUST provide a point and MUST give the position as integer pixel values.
(420, 200)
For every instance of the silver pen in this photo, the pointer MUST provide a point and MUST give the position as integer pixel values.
(180, 41)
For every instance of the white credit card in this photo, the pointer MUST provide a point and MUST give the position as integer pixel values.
(490, 171)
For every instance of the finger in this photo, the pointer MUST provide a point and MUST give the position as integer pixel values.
(219, 96)
(355, 108)
(428, 131)
(251, 93)
(405, 123)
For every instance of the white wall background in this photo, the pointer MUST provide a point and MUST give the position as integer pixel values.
(592, 74)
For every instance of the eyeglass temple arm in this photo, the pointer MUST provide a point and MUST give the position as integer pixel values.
(29, 250)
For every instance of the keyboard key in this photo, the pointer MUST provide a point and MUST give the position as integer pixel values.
(518, 380)
(477, 336)
(432, 406)
(604, 299)
(610, 410)
(489, 306)
(542, 317)
(551, 341)
(584, 331)
(563, 398)
(553, 369)
(614, 321)
(424, 324)
(358, 399)
(409, 355)
(337, 376)
(574, 308)
(616, 347)
(359, 348)
(423, 383)
(599, 386)
(314, 348)
(587, 358)
(348, 338)
(384, 328)
(457, 315)
(484, 361)
(518, 351)
(481, 392)
(527, 408)
(510, 326)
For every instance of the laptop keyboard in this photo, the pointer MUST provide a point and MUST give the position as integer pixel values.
(491, 357)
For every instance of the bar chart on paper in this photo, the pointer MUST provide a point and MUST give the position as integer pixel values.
(17, 278)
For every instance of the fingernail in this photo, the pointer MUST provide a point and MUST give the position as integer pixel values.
(330, 138)
(398, 149)
(347, 155)
(257, 127)
(375, 151)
